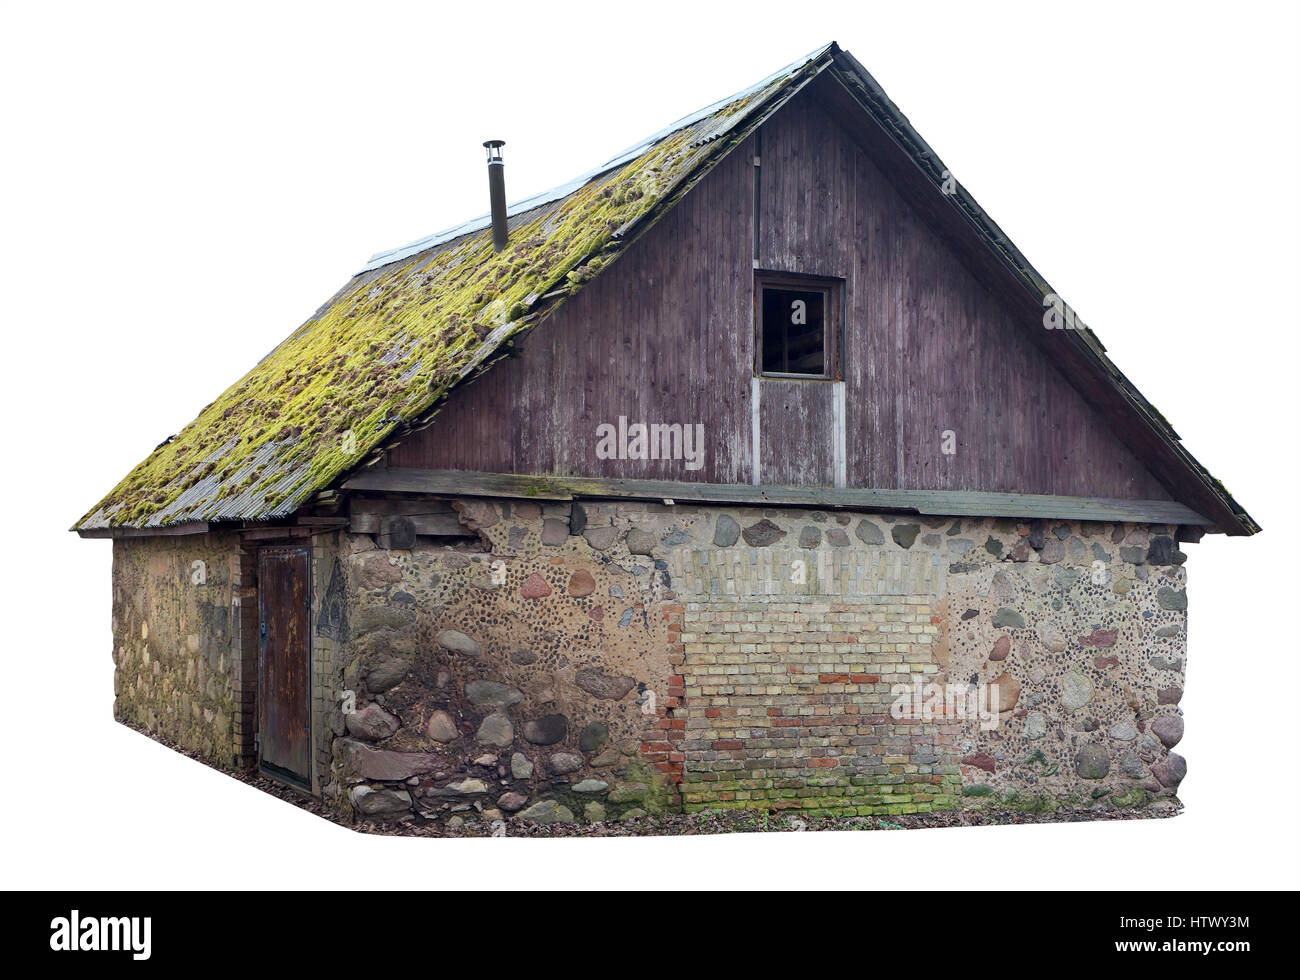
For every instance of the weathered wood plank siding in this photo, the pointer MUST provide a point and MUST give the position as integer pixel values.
(666, 335)
(662, 336)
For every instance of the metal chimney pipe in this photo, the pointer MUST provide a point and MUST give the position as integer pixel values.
(497, 193)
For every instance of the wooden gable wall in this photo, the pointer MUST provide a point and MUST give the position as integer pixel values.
(666, 335)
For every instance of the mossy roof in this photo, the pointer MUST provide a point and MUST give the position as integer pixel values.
(375, 360)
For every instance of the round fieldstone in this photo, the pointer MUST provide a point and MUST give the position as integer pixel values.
(562, 763)
(387, 673)
(1035, 725)
(454, 641)
(492, 694)
(371, 722)
(441, 727)
(1076, 690)
(810, 537)
(1008, 618)
(380, 802)
(512, 801)
(641, 542)
(904, 535)
(763, 534)
(546, 730)
(591, 786)
(1007, 691)
(496, 730)
(521, 767)
(593, 812)
(1092, 761)
(601, 538)
(534, 587)
(1132, 766)
(1001, 648)
(554, 532)
(1175, 599)
(837, 537)
(593, 737)
(1171, 771)
(1124, 731)
(725, 531)
(869, 532)
(547, 812)
(1169, 729)
(376, 571)
(468, 787)
(581, 583)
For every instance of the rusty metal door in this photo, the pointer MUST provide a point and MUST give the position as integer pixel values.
(284, 662)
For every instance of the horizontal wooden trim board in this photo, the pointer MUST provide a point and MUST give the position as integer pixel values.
(946, 503)
(171, 530)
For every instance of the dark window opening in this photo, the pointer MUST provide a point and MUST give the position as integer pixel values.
(798, 320)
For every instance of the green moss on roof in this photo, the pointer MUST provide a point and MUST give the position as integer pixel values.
(383, 352)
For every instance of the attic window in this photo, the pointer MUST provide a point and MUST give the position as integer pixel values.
(797, 321)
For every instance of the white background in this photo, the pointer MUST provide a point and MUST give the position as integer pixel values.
(182, 185)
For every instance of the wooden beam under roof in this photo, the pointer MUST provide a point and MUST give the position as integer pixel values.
(946, 503)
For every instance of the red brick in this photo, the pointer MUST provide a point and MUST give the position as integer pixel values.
(832, 678)
(825, 763)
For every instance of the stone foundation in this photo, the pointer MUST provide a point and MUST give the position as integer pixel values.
(602, 662)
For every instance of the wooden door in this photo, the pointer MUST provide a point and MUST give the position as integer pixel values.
(284, 659)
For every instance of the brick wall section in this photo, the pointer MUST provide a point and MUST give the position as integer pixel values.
(664, 750)
(787, 703)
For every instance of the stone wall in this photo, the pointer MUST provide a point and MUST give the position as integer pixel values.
(176, 642)
(528, 671)
(803, 631)
(600, 661)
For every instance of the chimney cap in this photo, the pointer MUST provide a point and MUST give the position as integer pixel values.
(491, 144)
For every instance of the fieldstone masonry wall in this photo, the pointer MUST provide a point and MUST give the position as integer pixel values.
(531, 672)
(604, 661)
(594, 661)
(177, 642)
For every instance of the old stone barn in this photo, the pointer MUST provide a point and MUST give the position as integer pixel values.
(754, 469)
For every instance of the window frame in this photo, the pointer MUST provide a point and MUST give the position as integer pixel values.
(832, 288)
